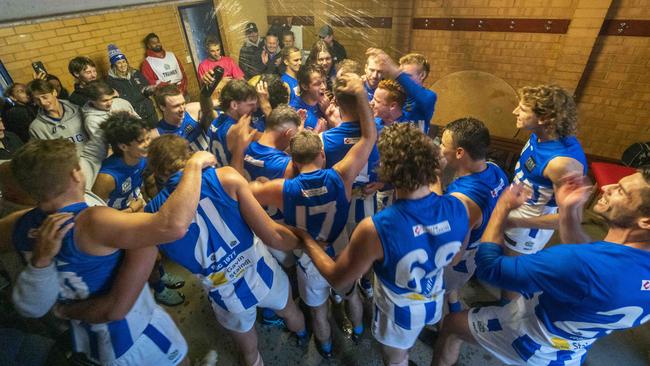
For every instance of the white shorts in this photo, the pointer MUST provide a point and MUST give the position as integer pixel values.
(514, 335)
(275, 299)
(526, 240)
(385, 199)
(366, 203)
(285, 258)
(160, 344)
(312, 286)
(457, 276)
(388, 333)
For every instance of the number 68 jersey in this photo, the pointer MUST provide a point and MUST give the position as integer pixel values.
(419, 238)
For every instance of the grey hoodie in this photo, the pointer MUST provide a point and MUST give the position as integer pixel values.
(70, 126)
(96, 148)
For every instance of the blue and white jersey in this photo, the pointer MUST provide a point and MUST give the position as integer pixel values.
(529, 170)
(369, 90)
(128, 180)
(313, 111)
(336, 143)
(219, 247)
(217, 139)
(419, 238)
(316, 202)
(484, 189)
(81, 276)
(582, 292)
(294, 89)
(420, 102)
(269, 162)
(189, 129)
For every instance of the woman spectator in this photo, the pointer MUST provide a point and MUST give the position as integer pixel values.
(131, 85)
(321, 55)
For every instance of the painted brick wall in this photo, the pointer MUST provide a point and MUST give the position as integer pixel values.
(55, 42)
(615, 100)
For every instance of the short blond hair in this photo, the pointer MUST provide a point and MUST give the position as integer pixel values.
(553, 103)
(416, 59)
(305, 147)
(395, 92)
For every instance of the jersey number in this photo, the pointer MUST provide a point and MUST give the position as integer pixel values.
(329, 209)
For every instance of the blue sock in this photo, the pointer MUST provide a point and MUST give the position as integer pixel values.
(326, 346)
(268, 313)
(358, 329)
(301, 333)
(455, 307)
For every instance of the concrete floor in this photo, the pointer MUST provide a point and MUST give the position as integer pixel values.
(199, 326)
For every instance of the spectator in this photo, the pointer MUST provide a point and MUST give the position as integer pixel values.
(55, 118)
(18, 116)
(84, 71)
(9, 143)
(249, 55)
(322, 55)
(162, 66)
(270, 56)
(230, 68)
(288, 39)
(326, 33)
(131, 85)
(62, 92)
(100, 106)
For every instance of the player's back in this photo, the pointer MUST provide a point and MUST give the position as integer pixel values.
(316, 202)
(265, 161)
(219, 247)
(217, 139)
(419, 238)
(484, 189)
(128, 180)
(81, 276)
(339, 140)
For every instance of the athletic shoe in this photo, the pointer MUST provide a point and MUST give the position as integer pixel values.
(172, 281)
(274, 321)
(336, 298)
(366, 288)
(303, 341)
(169, 297)
(322, 352)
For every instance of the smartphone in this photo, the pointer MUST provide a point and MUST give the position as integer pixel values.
(38, 67)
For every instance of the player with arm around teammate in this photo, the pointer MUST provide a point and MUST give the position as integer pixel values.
(318, 200)
(224, 247)
(407, 244)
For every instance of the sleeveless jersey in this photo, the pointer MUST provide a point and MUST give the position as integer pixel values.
(81, 276)
(217, 141)
(166, 68)
(313, 111)
(484, 189)
(336, 143)
(294, 89)
(582, 292)
(269, 162)
(316, 202)
(128, 180)
(419, 238)
(220, 248)
(189, 130)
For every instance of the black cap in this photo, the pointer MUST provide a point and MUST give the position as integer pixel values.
(325, 31)
(250, 28)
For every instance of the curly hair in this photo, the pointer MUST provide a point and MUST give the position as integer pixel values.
(122, 128)
(553, 103)
(167, 154)
(395, 91)
(408, 159)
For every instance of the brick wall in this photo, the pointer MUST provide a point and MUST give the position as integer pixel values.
(55, 42)
(614, 101)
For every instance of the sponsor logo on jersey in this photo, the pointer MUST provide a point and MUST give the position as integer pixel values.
(256, 162)
(645, 285)
(530, 164)
(314, 192)
(351, 140)
(435, 229)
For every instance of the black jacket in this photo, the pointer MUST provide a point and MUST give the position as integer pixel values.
(18, 118)
(250, 59)
(10, 143)
(133, 90)
(339, 52)
(79, 96)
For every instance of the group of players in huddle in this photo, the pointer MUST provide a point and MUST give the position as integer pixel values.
(370, 199)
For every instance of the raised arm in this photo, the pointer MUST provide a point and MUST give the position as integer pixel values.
(512, 197)
(114, 305)
(271, 233)
(239, 136)
(355, 260)
(208, 114)
(357, 157)
(571, 195)
(111, 228)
